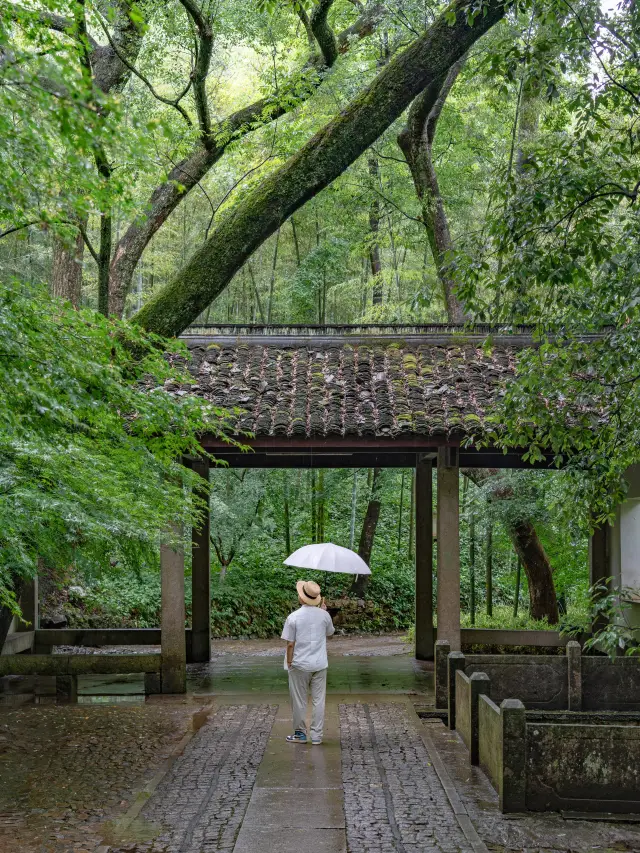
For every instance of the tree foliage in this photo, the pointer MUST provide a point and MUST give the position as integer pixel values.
(90, 441)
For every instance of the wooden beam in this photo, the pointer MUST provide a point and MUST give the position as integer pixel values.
(448, 520)
(424, 561)
(288, 456)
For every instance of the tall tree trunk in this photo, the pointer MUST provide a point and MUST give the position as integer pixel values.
(412, 505)
(472, 566)
(489, 567)
(296, 245)
(287, 522)
(374, 235)
(321, 506)
(66, 270)
(367, 535)
(272, 281)
(542, 593)
(416, 142)
(314, 518)
(400, 513)
(354, 504)
(104, 258)
(326, 156)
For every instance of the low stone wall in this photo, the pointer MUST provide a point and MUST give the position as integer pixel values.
(490, 742)
(610, 685)
(468, 690)
(572, 681)
(463, 707)
(549, 760)
(583, 767)
(67, 668)
(538, 681)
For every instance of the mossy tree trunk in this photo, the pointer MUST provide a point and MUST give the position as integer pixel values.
(315, 166)
(211, 145)
(416, 142)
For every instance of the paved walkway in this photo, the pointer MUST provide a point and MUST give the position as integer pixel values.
(71, 778)
(297, 801)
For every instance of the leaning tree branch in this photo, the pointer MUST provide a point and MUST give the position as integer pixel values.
(315, 166)
(185, 175)
(201, 67)
(57, 23)
(323, 33)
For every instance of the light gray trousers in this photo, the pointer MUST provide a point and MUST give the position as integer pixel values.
(299, 684)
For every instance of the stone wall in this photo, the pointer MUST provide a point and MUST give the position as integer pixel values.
(490, 744)
(583, 767)
(463, 707)
(610, 685)
(571, 681)
(539, 681)
(579, 761)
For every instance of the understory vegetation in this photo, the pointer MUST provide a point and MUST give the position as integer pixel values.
(252, 591)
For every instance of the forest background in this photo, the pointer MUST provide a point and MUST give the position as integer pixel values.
(137, 137)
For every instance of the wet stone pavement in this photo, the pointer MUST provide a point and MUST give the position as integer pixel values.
(393, 799)
(211, 771)
(65, 770)
(200, 804)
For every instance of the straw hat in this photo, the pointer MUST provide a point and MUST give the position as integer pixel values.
(309, 592)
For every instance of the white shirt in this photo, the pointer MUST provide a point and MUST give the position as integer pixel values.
(308, 627)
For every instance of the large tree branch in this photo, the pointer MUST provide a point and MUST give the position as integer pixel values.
(323, 33)
(109, 71)
(201, 67)
(315, 166)
(416, 142)
(186, 174)
(57, 23)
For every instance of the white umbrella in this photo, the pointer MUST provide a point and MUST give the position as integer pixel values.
(327, 557)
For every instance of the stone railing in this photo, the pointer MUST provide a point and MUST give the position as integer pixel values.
(572, 681)
(548, 760)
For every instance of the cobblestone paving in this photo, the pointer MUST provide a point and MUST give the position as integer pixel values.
(200, 804)
(393, 799)
(64, 770)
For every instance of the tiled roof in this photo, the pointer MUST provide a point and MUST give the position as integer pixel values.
(355, 385)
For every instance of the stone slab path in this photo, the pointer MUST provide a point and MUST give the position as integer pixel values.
(297, 801)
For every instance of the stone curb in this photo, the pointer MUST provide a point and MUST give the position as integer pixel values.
(462, 816)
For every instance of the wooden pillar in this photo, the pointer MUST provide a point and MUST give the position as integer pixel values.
(599, 566)
(201, 580)
(29, 606)
(174, 651)
(448, 520)
(424, 561)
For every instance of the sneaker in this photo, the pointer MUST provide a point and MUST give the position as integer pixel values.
(316, 742)
(297, 737)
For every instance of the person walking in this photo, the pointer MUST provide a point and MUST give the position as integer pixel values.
(306, 631)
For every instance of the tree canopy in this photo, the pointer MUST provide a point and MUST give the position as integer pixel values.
(326, 161)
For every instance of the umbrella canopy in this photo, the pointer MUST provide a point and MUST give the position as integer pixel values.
(327, 557)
